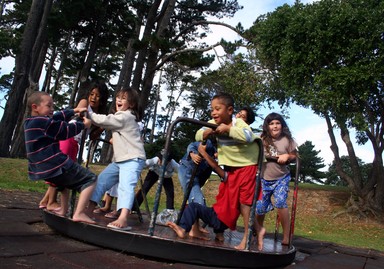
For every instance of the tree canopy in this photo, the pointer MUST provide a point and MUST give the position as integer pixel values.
(78, 41)
(328, 56)
(332, 178)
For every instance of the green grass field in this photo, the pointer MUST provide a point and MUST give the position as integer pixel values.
(316, 207)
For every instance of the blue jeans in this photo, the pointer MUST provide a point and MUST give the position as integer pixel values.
(126, 174)
(196, 211)
(185, 173)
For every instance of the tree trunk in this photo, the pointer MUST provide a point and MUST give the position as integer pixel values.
(2, 4)
(18, 143)
(154, 50)
(91, 54)
(130, 59)
(77, 83)
(141, 58)
(357, 176)
(128, 62)
(37, 62)
(369, 198)
(378, 189)
(374, 189)
(48, 75)
(335, 149)
(154, 116)
(40, 47)
(75, 91)
(21, 78)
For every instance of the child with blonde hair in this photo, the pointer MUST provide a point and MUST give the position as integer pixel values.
(43, 130)
(96, 101)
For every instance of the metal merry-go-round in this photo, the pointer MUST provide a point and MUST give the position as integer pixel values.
(148, 239)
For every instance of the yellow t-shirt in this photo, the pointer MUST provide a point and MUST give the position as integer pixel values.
(238, 148)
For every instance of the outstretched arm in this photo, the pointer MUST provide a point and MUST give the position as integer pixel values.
(215, 166)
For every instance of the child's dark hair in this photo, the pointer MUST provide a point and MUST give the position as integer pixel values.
(267, 138)
(35, 98)
(133, 99)
(250, 114)
(225, 98)
(104, 94)
(160, 155)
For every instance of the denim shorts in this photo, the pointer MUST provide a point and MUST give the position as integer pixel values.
(75, 178)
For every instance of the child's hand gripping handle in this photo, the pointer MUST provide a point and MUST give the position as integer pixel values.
(275, 159)
(83, 114)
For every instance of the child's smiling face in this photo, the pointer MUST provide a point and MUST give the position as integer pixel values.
(242, 114)
(220, 112)
(45, 108)
(122, 102)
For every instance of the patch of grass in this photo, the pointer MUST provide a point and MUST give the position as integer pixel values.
(362, 234)
(314, 217)
(14, 176)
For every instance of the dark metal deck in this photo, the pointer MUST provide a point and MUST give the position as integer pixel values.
(165, 244)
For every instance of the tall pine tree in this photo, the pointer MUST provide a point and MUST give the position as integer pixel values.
(310, 164)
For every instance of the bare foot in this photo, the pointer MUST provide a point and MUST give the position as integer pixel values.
(59, 211)
(101, 210)
(53, 206)
(82, 217)
(112, 215)
(285, 242)
(260, 238)
(241, 246)
(196, 233)
(178, 230)
(203, 230)
(219, 237)
(120, 223)
(43, 202)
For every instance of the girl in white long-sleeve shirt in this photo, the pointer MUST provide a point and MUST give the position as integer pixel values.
(129, 155)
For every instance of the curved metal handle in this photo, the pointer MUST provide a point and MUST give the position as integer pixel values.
(165, 156)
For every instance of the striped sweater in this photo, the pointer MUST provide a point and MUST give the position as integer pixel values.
(42, 135)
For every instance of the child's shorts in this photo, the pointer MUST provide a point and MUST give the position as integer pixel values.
(279, 189)
(75, 178)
